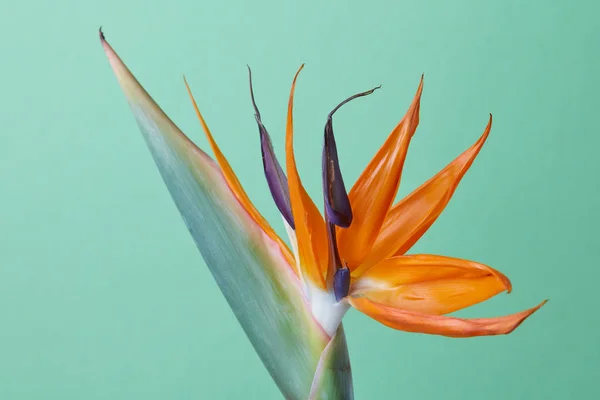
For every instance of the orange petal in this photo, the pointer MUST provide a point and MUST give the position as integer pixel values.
(429, 284)
(373, 193)
(238, 190)
(441, 325)
(411, 217)
(313, 251)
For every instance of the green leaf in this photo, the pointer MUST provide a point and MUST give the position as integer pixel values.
(258, 283)
(333, 371)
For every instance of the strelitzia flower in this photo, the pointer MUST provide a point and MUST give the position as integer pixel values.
(291, 302)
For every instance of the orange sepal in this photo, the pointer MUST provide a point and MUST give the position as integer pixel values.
(373, 193)
(237, 189)
(439, 324)
(311, 234)
(430, 284)
(408, 220)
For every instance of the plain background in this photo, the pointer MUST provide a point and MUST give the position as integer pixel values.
(102, 292)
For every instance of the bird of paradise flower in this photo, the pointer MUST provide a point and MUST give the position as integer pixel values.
(291, 302)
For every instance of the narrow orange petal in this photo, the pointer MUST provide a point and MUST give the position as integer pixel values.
(441, 325)
(313, 251)
(408, 220)
(238, 190)
(429, 284)
(373, 193)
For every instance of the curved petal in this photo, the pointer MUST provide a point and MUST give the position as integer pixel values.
(247, 264)
(429, 284)
(441, 325)
(408, 220)
(337, 204)
(373, 193)
(276, 178)
(236, 186)
(311, 233)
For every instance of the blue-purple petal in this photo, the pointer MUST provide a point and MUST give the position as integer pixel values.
(276, 178)
(337, 204)
(341, 283)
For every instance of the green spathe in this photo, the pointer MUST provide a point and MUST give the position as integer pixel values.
(254, 277)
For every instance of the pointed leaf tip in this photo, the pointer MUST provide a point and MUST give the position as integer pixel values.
(276, 179)
(337, 204)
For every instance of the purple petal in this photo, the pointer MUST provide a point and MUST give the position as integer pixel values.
(276, 178)
(337, 205)
(341, 283)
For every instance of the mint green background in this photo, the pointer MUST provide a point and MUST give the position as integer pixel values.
(102, 292)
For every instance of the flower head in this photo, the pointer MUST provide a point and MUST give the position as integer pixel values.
(355, 253)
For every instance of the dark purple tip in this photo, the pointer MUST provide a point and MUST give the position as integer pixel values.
(341, 283)
(276, 178)
(337, 205)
